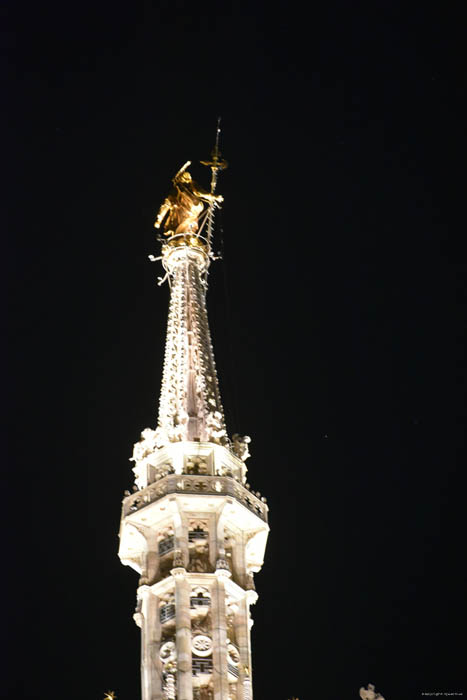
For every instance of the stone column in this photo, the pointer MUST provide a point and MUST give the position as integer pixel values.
(221, 562)
(182, 536)
(152, 557)
(183, 635)
(242, 635)
(180, 532)
(242, 560)
(219, 639)
(151, 671)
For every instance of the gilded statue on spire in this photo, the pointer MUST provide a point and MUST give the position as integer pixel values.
(182, 208)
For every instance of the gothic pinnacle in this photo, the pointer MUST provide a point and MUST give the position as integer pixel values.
(192, 529)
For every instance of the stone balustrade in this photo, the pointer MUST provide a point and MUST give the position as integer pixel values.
(205, 485)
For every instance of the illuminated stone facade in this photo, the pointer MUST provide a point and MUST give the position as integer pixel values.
(192, 529)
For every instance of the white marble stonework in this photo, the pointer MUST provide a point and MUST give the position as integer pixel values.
(193, 529)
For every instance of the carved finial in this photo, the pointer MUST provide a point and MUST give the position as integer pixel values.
(178, 559)
(368, 693)
(222, 567)
(240, 446)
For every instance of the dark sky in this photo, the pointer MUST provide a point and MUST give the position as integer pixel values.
(337, 313)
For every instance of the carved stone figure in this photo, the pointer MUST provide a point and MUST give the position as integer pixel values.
(369, 693)
(183, 207)
(215, 426)
(205, 692)
(145, 446)
(223, 470)
(196, 465)
(178, 560)
(163, 470)
(240, 446)
(233, 654)
(168, 653)
(199, 558)
(202, 626)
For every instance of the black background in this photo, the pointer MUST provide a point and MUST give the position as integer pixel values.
(337, 316)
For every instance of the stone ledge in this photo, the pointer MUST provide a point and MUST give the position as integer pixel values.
(199, 485)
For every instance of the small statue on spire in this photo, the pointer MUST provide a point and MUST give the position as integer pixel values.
(368, 693)
(240, 446)
(183, 207)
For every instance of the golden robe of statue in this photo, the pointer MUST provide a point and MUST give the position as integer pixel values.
(184, 205)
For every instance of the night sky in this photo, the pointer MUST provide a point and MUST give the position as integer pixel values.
(337, 315)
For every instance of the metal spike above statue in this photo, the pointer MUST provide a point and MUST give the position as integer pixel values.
(182, 209)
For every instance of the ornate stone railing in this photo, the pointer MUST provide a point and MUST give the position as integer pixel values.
(208, 485)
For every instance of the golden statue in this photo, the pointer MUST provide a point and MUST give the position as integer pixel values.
(110, 695)
(182, 209)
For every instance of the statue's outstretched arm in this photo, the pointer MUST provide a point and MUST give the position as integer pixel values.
(207, 196)
(165, 207)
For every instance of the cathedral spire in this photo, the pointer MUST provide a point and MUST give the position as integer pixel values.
(192, 528)
(190, 405)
